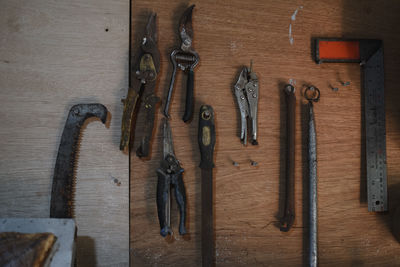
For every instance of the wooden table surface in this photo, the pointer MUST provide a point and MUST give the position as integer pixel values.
(227, 35)
(54, 54)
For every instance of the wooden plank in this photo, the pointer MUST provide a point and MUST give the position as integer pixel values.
(53, 55)
(228, 34)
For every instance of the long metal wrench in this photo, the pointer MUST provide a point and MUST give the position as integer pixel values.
(289, 208)
(312, 94)
(206, 138)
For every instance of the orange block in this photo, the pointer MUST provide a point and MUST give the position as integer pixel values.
(349, 50)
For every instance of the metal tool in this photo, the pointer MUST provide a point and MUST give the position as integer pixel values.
(206, 138)
(246, 92)
(186, 58)
(289, 208)
(170, 174)
(312, 94)
(142, 82)
(62, 194)
(369, 53)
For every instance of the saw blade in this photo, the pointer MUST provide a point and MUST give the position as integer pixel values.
(61, 204)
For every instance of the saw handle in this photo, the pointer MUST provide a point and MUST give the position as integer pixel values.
(189, 96)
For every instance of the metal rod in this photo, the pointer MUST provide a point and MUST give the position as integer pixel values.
(289, 208)
(171, 84)
(312, 161)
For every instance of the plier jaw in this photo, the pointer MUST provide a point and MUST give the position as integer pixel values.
(246, 92)
(170, 175)
(142, 83)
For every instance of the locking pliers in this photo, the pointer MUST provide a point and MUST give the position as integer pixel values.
(170, 174)
(186, 59)
(246, 92)
(142, 82)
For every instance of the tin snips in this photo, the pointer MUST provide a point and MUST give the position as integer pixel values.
(246, 92)
(186, 58)
(170, 175)
(142, 82)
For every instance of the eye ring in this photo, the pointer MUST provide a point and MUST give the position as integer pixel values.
(314, 96)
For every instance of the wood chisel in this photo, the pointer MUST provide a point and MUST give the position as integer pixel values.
(369, 54)
(206, 138)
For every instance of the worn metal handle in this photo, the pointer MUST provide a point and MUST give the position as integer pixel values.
(189, 97)
(289, 207)
(150, 103)
(163, 199)
(180, 196)
(127, 117)
(164, 183)
(171, 83)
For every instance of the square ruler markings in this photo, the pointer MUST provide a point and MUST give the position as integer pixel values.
(369, 53)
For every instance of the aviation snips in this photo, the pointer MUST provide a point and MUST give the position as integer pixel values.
(170, 175)
(246, 92)
(142, 82)
(186, 59)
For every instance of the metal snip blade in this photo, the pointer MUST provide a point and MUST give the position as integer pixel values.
(185, 26)
(149, 41)
(61, 204)
(151, 28)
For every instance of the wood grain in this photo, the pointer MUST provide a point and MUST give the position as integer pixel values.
(54, 54)
(228, 34)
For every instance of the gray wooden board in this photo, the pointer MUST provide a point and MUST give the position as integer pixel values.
(54, 54)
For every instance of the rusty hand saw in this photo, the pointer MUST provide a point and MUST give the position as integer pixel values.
(62, 194)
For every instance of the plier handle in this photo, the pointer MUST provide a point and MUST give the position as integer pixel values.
(170, 175)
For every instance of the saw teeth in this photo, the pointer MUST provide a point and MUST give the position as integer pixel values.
(65, 180)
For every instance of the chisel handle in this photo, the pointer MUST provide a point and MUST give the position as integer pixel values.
(207, 143)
